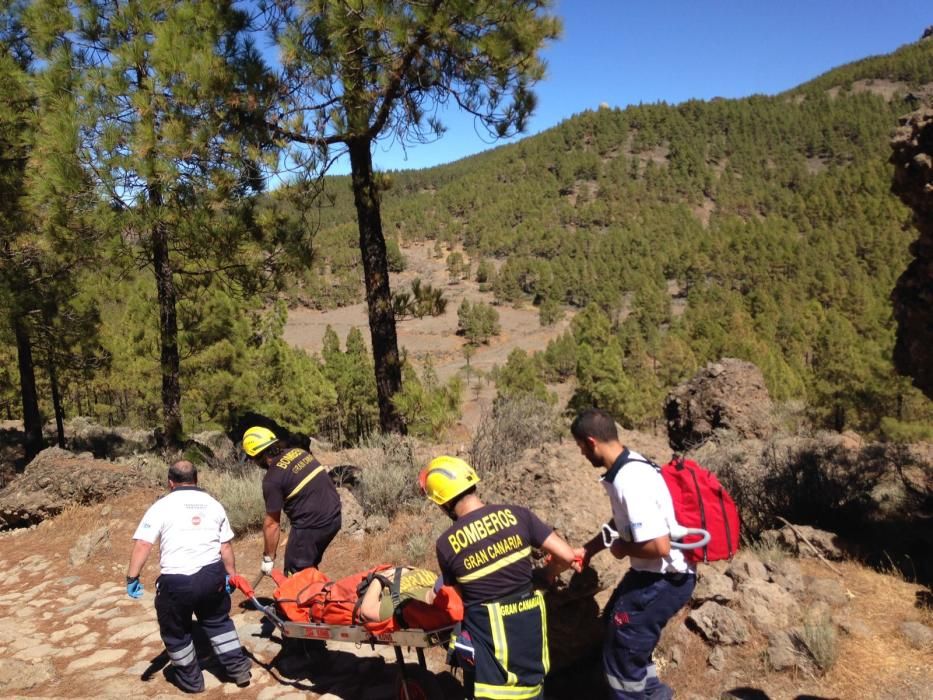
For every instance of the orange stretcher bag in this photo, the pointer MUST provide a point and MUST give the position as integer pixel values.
(309, 596)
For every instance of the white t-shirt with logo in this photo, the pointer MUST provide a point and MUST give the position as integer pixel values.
(643, 510)
(190, 526)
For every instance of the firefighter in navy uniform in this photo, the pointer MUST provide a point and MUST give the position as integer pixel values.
(298, 484)
(196, 558)
(486, 553)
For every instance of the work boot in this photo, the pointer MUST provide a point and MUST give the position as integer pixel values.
(242, 680)
(172, 676)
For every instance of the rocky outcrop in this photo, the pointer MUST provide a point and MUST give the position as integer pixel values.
(56, 479)
(84, 435)
(913, 293)
(729, 395)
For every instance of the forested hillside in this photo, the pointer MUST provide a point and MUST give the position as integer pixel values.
(760, 228)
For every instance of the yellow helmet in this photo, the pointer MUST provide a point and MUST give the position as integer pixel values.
(445, 478)
(257, 439)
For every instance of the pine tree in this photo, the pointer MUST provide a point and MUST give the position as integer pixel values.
(17, 132)
(165, 88)
(359, 72)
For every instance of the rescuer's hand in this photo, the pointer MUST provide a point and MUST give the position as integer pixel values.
(134, 589)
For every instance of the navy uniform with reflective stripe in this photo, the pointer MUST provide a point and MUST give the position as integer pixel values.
(204, 595)
(192, 527)
(298, 484)
(503, 643)
(652, 591)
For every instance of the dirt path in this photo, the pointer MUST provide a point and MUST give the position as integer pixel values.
(71, 631)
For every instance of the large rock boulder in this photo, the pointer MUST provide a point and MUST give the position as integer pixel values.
(719, 624)
(83, 435)
(913, 293)
(56, 479)
(729, 395)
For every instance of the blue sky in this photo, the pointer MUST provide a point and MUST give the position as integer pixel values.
(625, 52)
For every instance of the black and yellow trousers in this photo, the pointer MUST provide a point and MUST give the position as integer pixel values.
(509, 648)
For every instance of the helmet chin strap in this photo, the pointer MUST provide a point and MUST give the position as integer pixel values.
(451, 512)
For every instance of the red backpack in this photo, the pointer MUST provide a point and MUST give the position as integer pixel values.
(701, 501)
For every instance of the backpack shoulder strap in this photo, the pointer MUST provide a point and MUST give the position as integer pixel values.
(643, 461)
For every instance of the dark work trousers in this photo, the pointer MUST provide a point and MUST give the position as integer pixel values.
(509, 648)
(306, 546)
(639, 608)
(203, 595)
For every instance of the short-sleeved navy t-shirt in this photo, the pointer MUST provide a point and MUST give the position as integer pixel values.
(299, 485)
(488, 551)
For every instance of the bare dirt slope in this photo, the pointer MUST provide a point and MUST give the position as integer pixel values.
(435, 336)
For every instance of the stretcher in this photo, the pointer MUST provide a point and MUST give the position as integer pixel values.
(414, 681)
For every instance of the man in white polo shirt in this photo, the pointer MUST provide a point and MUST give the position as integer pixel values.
(660, 580)
(196, 558)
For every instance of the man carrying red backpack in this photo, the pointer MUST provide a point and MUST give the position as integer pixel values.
(661, 579)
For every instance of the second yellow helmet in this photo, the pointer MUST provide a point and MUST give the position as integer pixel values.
(445, 478)
(257, 439)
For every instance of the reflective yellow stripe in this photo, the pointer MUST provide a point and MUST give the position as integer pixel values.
(501, 692)
(500, 643)
(305, 481)
(545, 653)
(495, 566)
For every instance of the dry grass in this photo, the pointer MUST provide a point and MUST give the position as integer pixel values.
(240, 494)
(767, 553)
(236, 483)
(822, 642)
(507, 430)
(409, 539)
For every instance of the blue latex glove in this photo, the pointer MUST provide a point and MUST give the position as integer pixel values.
(134, 589)
(230, 588)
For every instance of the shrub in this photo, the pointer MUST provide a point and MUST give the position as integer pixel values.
(550, 312)
(388, 481)
(240, 492)
(455, 266)
(477, 322)
(427, 406)
(485, 271)
(422, 300)
(820, 640)
(520, 377)
(394, 255)
(235, 482)
(513, 425)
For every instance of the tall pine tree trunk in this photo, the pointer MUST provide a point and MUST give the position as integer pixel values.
(57, 403)
(376, 275)
(170, 362)
(32, 420)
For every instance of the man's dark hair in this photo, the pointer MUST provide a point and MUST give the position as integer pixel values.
(183, 472)
(452, 503)
(274, 451)
(594, 423)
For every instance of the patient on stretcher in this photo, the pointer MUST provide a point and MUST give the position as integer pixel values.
(384, 599)
(379, 604)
